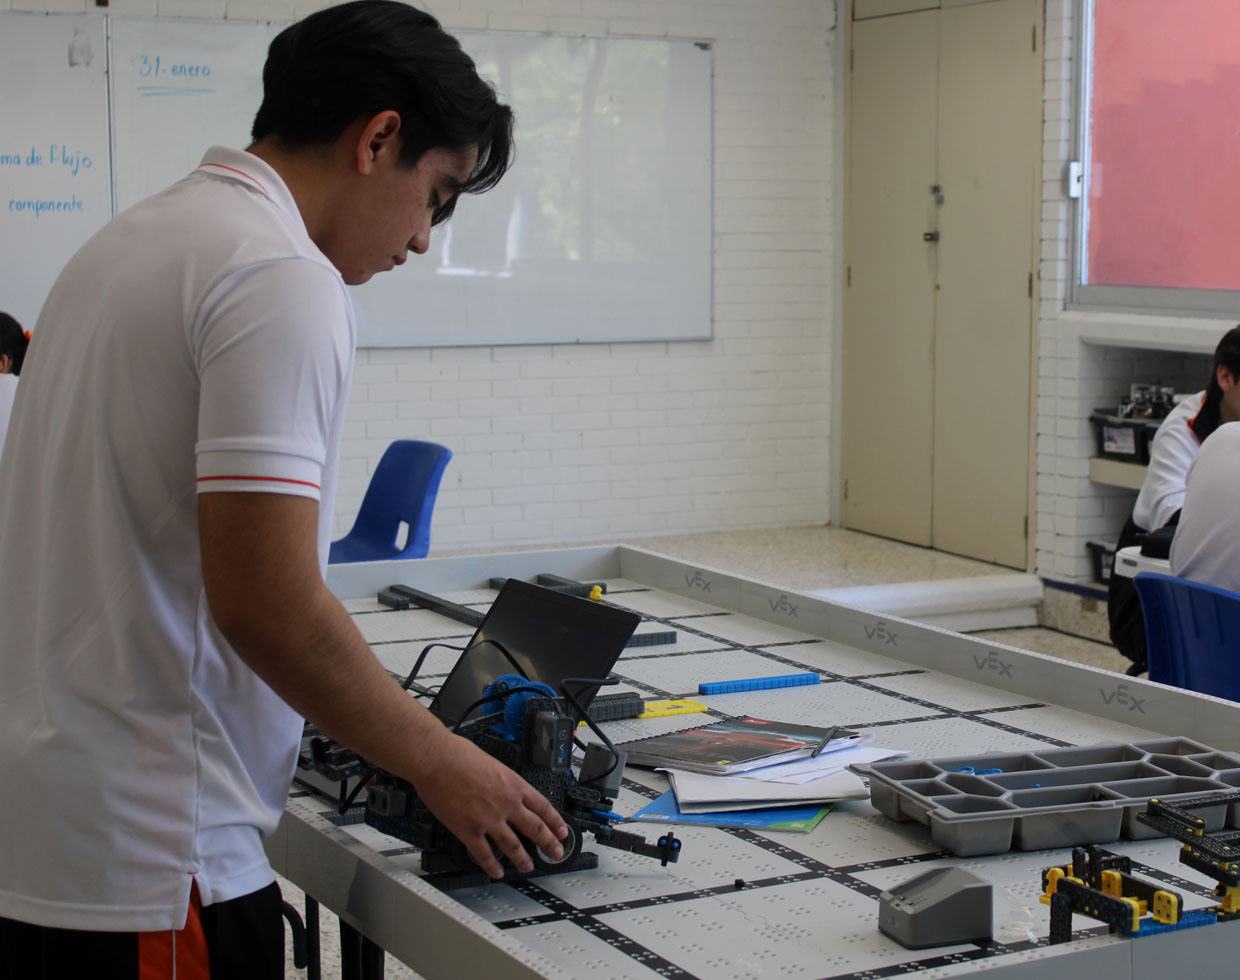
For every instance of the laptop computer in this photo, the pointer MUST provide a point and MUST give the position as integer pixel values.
(549, 634)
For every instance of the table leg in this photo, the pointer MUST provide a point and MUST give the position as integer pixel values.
(360, 959)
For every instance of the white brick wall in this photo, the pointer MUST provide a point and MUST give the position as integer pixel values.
(1087, 360)
(560, 443)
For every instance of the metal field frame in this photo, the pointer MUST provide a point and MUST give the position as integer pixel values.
(742, 904)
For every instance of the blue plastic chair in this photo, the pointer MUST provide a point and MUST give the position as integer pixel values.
(402, 492)
(1193, 634)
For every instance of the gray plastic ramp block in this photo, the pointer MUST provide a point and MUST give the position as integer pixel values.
(393, 600)
(570, 586)
(424, 600)
(652, 639)
(940, 907)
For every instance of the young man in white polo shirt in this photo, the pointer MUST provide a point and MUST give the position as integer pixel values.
(165, 509)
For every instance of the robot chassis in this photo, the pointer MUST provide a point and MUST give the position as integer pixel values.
(532, 734)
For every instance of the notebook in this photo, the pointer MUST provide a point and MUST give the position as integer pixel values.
(549, 634)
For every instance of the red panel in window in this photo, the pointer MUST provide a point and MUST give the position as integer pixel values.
(1164, 198)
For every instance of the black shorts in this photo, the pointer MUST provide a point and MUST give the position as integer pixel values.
(241, 939)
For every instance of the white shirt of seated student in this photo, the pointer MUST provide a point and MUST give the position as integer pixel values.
(1174, 449)
(1175, 446)
(1206, 547)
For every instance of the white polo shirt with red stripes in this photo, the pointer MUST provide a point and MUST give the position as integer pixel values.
(199, 342)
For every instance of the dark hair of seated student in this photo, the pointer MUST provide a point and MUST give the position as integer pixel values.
(1214, 410)
(361, 58)
(13, 344)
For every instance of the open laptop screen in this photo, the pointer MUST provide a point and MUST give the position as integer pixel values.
(549, 634)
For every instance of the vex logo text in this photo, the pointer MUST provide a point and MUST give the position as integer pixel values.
(698, 581)
(881, 632)
(992, 661)
(1121, 695)
(783, 605)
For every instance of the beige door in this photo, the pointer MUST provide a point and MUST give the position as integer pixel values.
(937, 352)
(888, 362)
(990, 111)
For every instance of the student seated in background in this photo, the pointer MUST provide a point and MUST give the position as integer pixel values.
(1206, 547)
(1158, 505)
(13, 343)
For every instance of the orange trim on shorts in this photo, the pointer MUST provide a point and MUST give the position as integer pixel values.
(181, 953)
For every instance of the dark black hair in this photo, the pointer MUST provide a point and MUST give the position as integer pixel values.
(13, 342)
(1226, 354)
(358, 59)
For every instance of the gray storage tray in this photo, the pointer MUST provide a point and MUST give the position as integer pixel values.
(1055, 797)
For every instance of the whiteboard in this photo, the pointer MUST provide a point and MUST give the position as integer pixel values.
(178, 87)
(601, 231)
(54, 167)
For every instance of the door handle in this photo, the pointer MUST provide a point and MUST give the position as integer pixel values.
(930, 236)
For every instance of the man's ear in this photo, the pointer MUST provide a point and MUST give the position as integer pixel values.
(379, 136)
(5, 361)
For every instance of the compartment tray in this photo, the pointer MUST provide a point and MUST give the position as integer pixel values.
(1051, 798)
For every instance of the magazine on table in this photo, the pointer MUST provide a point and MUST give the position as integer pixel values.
(736, 745)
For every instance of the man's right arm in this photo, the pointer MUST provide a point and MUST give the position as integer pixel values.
(265, 592)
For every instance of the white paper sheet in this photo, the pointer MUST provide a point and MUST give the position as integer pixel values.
(806, 770)
(698, 792)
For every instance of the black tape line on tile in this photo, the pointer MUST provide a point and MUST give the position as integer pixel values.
(599, 930)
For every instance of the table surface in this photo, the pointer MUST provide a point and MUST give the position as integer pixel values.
(808, 905)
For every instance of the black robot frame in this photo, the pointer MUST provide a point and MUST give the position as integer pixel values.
(535, 740)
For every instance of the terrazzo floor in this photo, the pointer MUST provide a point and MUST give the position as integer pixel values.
(801, 559)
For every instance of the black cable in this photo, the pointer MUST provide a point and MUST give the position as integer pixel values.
(417, 664)
(585, 716)
(368, 771)
(502, 649)
(494, 695)
(363, 778)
